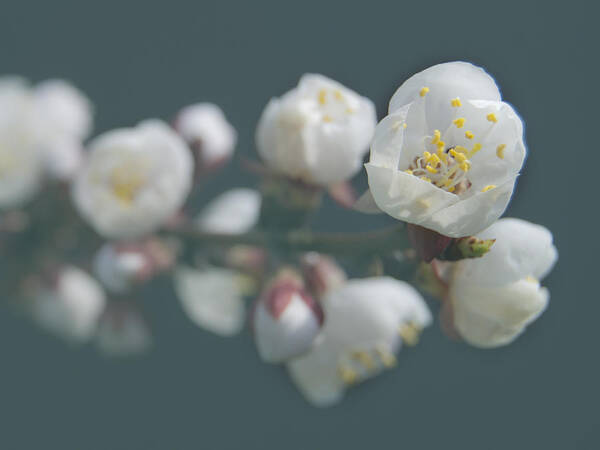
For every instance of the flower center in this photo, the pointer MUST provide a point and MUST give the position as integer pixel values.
(126, 181)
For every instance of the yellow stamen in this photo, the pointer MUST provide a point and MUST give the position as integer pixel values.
(387, 358)
(126, 183)
(492, 117)
(475, 149)
(436, 136)
(426, 154)
(431, 169)
(460, 122)
(322, 96)
(338, 95)
(465, 166)
(455, 102)
(364, 359)
(404, 125)
(409, 332)
(423, 91)
(500, 151)
(351, 111)
(347, 375)
(488, 187)
(408, 171)
(424, 178)
(469, 135)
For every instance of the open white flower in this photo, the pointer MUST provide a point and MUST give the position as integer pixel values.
(65, 116)
(493, 298)
(213, 298)
(366, 322)
(133, 180)
(205, 128)
(448, 154)
(318, 132)
(21, 162)
(71, 307)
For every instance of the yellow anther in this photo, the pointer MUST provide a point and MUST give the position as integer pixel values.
(469, 135)
(322, 96)
(441, 144)
(347, 375)
(452, 189)
(351, 111)
(465, 166)
(431, 169)
(408, 171)
(365, 359)
(434, 159)
(338, 95)
(409, 332)
(404, 125)
(488, 187)
(327, 118)
(460, 157)
(461, 149)
(126, 183)
(460, 122)
(475, 149)
(492, 117)
(455, 102)
(423, 91)
(426, 155)
(500, 151)
(387, 358)
(436, 136)
(424, 178)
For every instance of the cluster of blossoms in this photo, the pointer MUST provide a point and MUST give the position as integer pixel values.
(443, 162)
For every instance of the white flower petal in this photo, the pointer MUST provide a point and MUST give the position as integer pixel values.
(494, 316)
(521, 249)
(445, 82)
(212, 299)
(234, 212)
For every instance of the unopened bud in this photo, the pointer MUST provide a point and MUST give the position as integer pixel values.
(322, 273)
(286, 319)
(122, 331)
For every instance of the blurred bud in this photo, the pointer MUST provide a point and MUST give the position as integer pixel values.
(121, 266)
(69, 305)
(286, 319)
(205, 128)
(122, 331)
(322, 273)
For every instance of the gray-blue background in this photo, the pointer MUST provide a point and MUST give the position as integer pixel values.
(195, 390)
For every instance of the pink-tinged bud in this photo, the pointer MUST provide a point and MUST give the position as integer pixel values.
(286, 319)
(206, 130)
(427, 243)
(322, 273)
(121, 266)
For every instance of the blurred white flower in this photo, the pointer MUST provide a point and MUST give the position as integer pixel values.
(318, 132)
(286, 319)
(123, 332)
(493, 298)
(71, 307)
(206, 129)
(21, 163)
(233, 212)
(448, 154)
(65, 115)
(134, 179)
(366, 321)
(212, 298)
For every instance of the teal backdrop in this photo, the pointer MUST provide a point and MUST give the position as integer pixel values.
(197, 391)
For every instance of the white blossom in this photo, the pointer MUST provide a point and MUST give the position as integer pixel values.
(205, 127)
(495, 297)
(65, 116)
(122, 332)
(134, 179)
(71, 307)
(448, 154)
(286, 319)
(120, 267)
(21, 161)
(318, 132)
(366, 322)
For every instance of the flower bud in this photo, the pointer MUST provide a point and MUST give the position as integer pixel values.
(70, 305)
(204, 127)
(120, 266)
(286, 319)
(322, 273)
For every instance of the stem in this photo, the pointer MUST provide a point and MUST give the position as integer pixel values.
(377, 242)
